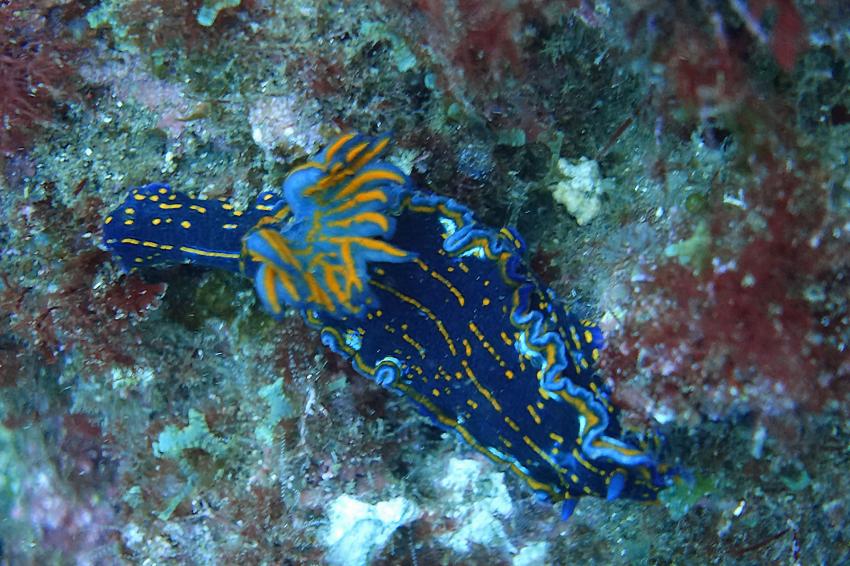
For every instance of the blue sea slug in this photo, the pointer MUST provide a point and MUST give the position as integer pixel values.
(423, 300)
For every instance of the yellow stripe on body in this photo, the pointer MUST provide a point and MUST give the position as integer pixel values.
(436, 275)
(284, 278)
(534, 414)
(280, 246)
(441, 328)
(548, 459)
(487, 345)
(331, 150)
(270, 289)
(307, 165)
(486, 393)
(467, 436)
(410, 340)
(363, 217)
(366, 157)
(358, 199)
(367, 177)
(622, 450)
(206, 253)
(317, 294)
(355, 151)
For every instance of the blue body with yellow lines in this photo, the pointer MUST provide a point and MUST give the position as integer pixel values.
(159, 226)
(423, 300)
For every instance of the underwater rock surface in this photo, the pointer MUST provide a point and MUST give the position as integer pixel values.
(162, 416)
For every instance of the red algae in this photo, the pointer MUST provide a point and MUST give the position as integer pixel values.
(36, 67)
(745, 333)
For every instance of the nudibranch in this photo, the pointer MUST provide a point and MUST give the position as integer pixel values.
(422, 299)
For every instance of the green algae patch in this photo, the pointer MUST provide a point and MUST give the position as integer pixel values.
(279, 408)
(172, 441)
(683, 495)
(208, 12)
(693, 252)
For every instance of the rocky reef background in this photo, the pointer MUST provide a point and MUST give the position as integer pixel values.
(678, 169)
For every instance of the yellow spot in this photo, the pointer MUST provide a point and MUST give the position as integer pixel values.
(268, 196)
(186, 224)
(435, 392)
(512, 424)
(162, 190)
(230, 226)
(595, 355)
(509, 374)
(156, 221)
(129, 211)
(588, 337)
(556, 437)
(472, 403)
(128, 222)
(227, 206)
(108, 220)
(485, 301)
(154, 198)
(238, 213)
(574, 478)
(131, 241)
(138, 260)
(264, 207)
(197, 208)
(150, 244)
(137, 196)
(164, 206)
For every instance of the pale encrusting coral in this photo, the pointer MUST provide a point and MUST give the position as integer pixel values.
(164, 417)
